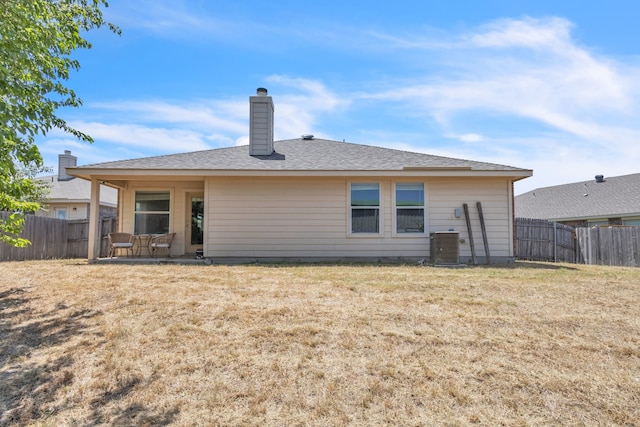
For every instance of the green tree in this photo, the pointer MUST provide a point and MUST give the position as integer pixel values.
(37, 39)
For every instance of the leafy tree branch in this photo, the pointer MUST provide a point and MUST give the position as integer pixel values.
(37, 39)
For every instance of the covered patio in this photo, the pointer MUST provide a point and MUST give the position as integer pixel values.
(149, 207)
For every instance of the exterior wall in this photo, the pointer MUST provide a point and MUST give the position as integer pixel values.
(177, 215)
(81, 210)
(308, 217)
(445, 195)
(74, 210)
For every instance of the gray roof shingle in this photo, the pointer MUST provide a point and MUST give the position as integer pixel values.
(299, 155)
(76, 190)
(615, 197)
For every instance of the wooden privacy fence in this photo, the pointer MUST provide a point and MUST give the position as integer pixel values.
(56, 238)
(542, 240)
(609, 245)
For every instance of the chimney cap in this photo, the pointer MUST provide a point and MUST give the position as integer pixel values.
(600, 178)
(262, 91)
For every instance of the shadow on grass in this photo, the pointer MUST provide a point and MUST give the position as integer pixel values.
(133, 414)
(140, 416)
(34, 373)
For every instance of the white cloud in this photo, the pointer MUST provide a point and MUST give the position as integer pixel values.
(583, 106)
(475, 88)
(138, 128)
(227, 116)
(467, 137)
(161, 140)
(528, 33)
(297, 113)
(243, 140)
(166, 19)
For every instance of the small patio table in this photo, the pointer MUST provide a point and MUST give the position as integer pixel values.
(142, 241)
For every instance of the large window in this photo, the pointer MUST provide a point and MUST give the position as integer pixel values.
(410, 208)
(365, 208)
(152, 212)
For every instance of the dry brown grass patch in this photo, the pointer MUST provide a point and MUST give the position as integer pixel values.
(318, 345)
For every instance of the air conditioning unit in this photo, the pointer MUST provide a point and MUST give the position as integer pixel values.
(445, 247)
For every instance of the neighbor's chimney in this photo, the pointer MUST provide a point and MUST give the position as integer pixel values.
(65, 161)
(260, 124)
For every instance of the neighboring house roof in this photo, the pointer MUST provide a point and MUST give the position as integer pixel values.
(617, 196)
(77, 191)
(296, 155)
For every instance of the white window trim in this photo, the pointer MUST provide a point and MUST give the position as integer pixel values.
(380, 206)
(394, 208)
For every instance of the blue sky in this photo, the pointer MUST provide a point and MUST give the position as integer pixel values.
(548, 85)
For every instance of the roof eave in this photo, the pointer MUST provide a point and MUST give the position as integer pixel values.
(77, 201)
(597, 217)
(91, 173)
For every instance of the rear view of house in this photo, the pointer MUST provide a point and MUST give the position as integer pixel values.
(307, 198)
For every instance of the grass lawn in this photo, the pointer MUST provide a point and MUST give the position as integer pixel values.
(286, 345)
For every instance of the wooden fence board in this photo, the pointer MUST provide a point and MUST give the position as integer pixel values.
(542, 240)
(617, 245)
(56, 238)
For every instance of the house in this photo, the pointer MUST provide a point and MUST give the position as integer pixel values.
(306, 198)
(69, 197)
(600, 201)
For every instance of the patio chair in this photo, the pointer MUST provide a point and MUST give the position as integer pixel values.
(162, 242)
(120, 241)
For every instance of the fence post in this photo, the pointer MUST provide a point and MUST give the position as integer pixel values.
(555, 242)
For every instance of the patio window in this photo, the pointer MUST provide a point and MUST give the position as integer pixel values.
(152, 212)
(410, 208)
(365, 208)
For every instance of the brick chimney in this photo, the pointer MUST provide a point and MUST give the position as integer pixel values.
(261, 124)
(65, 161)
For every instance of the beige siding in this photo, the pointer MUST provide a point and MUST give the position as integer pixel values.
(78, 211)
(445, 195)
(308, 217)
(74, 210)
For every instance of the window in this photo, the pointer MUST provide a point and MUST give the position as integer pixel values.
(410, 208)
(152, 212)
(61, 213)
(365, 208)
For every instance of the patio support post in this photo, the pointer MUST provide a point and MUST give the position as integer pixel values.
(94, 220)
